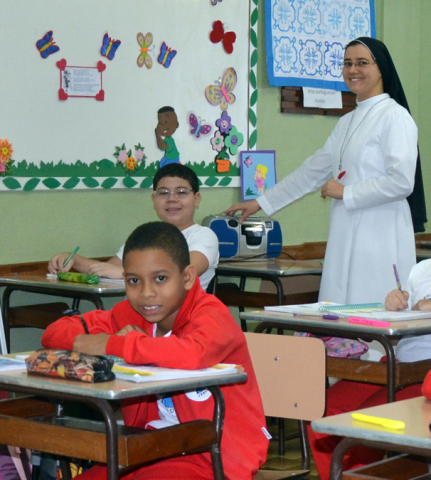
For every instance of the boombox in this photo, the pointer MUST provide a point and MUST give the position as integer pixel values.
(256, 236)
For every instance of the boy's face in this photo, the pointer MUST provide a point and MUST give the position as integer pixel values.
(155, 286)
(168, 123)
(177, 211)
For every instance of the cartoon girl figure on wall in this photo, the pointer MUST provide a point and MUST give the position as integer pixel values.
(260, 177)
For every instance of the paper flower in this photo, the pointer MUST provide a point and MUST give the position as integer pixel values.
(224, 123)
(128, 161)
(234, 140)
(131, 163)
(122, 156)
(5, 157)
(217, 141)
(5, 151)
(139, 153)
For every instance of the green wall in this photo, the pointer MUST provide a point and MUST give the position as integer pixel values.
(38, 224)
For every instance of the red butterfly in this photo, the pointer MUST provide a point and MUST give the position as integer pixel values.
(218, 35)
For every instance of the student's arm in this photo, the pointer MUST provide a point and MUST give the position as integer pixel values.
(424, 305)
(113, 268)
(200, 261)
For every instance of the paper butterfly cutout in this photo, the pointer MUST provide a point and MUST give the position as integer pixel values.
(219, 35)
(145, 42)
(214, 2)
(222, 94)
(248, 161)
(166, 55)
(46, 45)
(109, 47)
(198, 126)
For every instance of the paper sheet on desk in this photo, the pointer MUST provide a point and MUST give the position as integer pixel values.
(358, 310)
(149, 373)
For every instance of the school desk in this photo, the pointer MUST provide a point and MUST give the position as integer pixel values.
(415, 438)
(273, 270)
(40, 316)
(390, 373)
(106, 441)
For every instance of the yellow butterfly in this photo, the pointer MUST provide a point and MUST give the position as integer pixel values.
(144, 57)
(222, 94)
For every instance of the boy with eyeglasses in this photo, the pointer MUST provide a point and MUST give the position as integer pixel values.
(175, 197)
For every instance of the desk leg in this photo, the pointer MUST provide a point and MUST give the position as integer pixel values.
(111, 436)
(218, 420)
(390, 359)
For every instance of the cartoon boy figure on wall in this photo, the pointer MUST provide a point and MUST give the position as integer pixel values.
(168, 123)
(260, 177)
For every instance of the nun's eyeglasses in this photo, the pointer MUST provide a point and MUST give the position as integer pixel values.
(360, 64)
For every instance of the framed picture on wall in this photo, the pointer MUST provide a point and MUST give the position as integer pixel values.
(257, 172)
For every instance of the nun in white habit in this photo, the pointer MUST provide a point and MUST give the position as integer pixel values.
(370, 167)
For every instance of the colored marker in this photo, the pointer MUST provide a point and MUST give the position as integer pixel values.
(368, 321)
(383, 422)
(397, 278)
(69, 258)
(341, 175)
(325, 316)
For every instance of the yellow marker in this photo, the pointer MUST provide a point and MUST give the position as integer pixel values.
(384, 422)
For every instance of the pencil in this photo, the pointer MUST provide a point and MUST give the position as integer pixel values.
(397, 278)
(69, 258)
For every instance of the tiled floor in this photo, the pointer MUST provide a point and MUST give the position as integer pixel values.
(292, 458)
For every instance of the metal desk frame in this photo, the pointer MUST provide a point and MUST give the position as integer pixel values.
(99, 398)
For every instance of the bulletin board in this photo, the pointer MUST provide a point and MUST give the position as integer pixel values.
(83, 81)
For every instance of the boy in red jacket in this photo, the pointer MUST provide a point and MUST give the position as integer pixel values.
(168, 320)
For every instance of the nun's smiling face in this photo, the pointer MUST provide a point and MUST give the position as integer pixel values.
(361, 73)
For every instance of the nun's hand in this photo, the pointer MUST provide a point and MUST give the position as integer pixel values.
(333, 189)
(247, 208)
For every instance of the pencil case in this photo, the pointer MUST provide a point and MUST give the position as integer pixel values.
(78, 277)
(71, 365)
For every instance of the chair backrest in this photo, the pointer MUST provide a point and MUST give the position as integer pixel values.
(291, 374)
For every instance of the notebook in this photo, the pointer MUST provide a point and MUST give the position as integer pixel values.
(150, 373)
(7, 363)
(372, 311)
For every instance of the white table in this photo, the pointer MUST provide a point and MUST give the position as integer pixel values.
(414, 439)
(342, 328)
(99, 395)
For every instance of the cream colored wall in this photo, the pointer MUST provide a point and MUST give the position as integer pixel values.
(38, 224)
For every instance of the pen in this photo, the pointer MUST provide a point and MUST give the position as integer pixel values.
(69, 258)
(324, 316)
(384, 422)
(367, 321)
(397, 278)
(84, 325)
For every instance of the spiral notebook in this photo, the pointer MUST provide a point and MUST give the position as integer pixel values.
(372, 311)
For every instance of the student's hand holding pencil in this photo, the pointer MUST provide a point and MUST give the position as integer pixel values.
(56, 263)
(397, 300)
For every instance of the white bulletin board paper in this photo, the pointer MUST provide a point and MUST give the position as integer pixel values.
(70, 144)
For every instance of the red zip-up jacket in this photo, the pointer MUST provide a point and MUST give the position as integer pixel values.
(204, 333)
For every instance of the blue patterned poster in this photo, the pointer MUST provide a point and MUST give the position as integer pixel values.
(305, 39)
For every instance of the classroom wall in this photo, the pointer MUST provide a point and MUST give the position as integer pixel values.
(37, 224)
